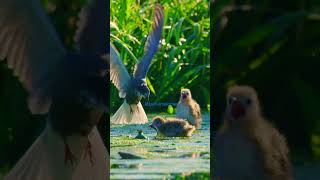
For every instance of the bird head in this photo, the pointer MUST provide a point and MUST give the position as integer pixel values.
(185, 95)
(141, 88)
(157, 122)
(242, 103)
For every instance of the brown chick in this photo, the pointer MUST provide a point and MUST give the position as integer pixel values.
(247, 146)
(189, 109)
(172, 127)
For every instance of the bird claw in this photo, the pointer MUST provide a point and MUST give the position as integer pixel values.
(68, 155)
(88, 152)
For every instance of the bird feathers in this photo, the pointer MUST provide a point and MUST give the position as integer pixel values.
(43, 158)
(93, 33)
(151, 46)
(172, 127)
(119, 75)
(30, 45)
(130, 114)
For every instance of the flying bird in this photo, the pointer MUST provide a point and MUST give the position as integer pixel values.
(247, 146)
(172, 127)
(70, 87)
(189, 109)
(134, 88)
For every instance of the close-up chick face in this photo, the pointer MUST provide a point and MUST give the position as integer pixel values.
(242, 102)
(185, 94)
(157, 122)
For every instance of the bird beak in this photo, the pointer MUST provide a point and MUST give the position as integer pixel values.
(146, 95)
(237, 109)
(152, 126)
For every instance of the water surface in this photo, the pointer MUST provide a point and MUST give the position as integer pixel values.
(160, 158)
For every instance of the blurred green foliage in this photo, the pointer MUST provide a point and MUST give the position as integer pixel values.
(170, 109)
(184, 57)
(273, 46)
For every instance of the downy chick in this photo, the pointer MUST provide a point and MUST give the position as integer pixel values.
(248, 146)
(189, 109)
(172, 127)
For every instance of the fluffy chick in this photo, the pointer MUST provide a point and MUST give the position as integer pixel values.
(172, 127)
(189, 109)
(248, 146)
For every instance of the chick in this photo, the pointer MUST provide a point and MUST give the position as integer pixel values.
(172, 127)
(248, 146)
(189, 109)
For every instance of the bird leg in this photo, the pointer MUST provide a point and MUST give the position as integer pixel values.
(131, 111)
(88, 151)
(68, 156)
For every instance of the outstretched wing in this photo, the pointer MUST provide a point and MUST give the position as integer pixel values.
(93, 31)
(152, 43)
(118, 72)
(31, 46)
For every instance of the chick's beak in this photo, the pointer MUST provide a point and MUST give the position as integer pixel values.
(152, 126)
(237, 109)
(184, 96)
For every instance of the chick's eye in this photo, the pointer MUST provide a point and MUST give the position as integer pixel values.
(248, 101)
(229, 100)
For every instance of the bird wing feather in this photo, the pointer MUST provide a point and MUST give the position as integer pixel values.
(195, 110)
(152, 43)
(119, 75)
(30, 44)
(93, 31)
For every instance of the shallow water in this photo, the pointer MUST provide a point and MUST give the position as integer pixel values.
(161, 158)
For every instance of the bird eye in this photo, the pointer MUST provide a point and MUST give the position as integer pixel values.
(229, 100)
(248, 101)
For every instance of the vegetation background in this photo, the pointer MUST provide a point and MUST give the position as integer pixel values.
(184, 57)
(273, 46)
(183, 61)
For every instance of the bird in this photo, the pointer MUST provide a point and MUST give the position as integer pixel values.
(172, 127)
(134, 88)
(69, 87)
(189, 109)
(247, 146)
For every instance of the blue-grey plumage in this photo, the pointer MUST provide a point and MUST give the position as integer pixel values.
(93, 33)
(71, 87)
(152, 44)
(134, 88)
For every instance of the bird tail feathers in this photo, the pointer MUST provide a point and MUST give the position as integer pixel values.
(45, 159)
(130, 114)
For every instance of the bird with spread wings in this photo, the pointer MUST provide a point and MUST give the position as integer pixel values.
(134, 88)
(70, 87)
